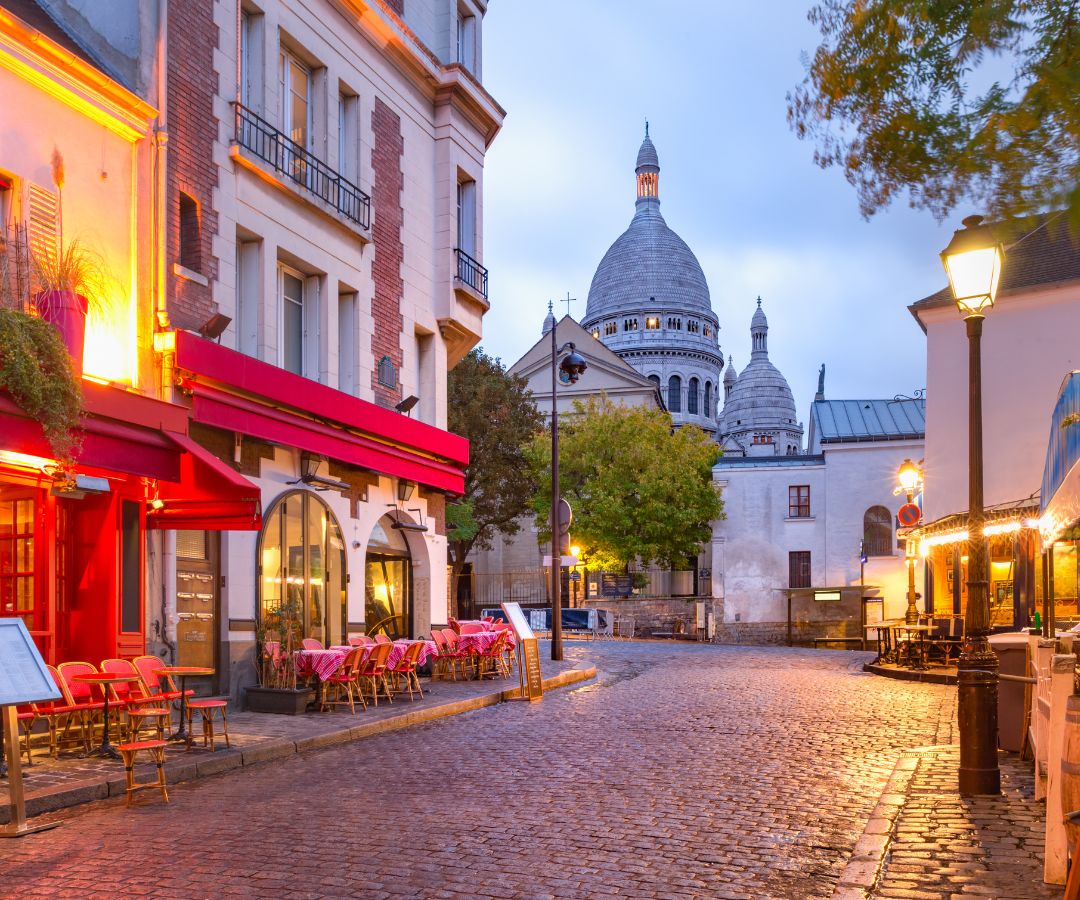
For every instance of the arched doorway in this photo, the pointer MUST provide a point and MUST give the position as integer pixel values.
(302, 562)
(388, 588)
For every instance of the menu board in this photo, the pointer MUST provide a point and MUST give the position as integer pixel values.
(515, 615)
(23, 676)
(532, 679)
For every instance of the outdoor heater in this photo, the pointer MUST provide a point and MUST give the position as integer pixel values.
(973, 262)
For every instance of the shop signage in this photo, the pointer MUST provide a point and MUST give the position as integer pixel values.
(23, 679)
(529, 674)
(616, 585)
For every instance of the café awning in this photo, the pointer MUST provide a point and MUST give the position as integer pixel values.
(209, 495)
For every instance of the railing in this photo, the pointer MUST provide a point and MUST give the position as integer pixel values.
(472, 273)
(299, 165)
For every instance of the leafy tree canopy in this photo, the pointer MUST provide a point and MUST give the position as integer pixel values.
(638, 489)
(495, 411)
(950, 100)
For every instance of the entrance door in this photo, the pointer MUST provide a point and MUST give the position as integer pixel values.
(388, 602)
(197, 598)
(21, 593)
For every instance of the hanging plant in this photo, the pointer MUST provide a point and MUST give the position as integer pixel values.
(36, 370)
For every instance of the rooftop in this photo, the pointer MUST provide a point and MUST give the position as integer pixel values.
(844, 421)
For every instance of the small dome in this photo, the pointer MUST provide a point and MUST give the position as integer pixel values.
(646, 156)
(549, 322)
(730, 375)
(759, 320)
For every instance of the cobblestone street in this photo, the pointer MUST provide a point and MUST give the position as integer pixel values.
(685, 770)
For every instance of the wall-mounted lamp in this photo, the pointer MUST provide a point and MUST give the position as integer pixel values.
(405, 490)
(214, 327)
(309, 474)
(406, 405)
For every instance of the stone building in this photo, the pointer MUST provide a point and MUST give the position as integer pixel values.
(649, 303)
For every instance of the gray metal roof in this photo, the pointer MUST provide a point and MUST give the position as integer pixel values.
(839, 421)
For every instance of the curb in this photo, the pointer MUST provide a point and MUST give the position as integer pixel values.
(177, 771)
(863, 867)
(926, 677)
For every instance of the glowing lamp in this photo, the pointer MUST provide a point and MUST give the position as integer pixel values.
(572, 366)
(575, 552)
(909, 475)
(973, 262)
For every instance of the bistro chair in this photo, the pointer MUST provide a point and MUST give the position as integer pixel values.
(447, 658)
(207, 707)
(156, 749)
(406, 668)
(471, 628)
(63, 710)
(161, 687)
(493, 660)
(82, 695)
(346, 680)
(383, 639)
(133, 697)
(373, 669)
(947, 637)
(360, 640)
(465, 657)
(311, 644)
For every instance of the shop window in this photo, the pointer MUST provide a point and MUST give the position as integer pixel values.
(877, 532)
(799, 501)
(302, 567)
(692, 389)
(799, 569)
(130, 567)
(674, 392)
(388, 582)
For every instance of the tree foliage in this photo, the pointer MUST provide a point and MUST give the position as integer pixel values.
(950, 100)
(495, 411)
(639, 490)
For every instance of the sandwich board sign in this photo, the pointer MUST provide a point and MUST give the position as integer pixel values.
(23, 679)
(529, 674)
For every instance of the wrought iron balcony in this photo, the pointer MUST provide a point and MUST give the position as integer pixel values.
(299, 165)
(472, 273)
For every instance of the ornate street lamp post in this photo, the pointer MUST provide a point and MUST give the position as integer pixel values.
(568, 371)
(973, 261)
(910, 475)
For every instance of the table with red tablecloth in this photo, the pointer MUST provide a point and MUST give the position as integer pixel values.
(401, 647)
(320, 663)
(481, 641)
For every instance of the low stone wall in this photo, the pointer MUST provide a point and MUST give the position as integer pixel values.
(661, 615)
(802, 632)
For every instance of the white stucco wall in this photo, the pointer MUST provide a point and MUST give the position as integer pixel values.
(1029, 344)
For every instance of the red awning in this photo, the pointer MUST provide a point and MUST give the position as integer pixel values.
(209, 495)
(238, 393)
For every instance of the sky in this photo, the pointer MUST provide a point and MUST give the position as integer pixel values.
(578, 78)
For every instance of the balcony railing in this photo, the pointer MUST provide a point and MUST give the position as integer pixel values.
(472, 273)
(299, 165)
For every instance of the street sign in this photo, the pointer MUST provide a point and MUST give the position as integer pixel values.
(566, 516)
(575, 576)
(909, 514)
(563, 560)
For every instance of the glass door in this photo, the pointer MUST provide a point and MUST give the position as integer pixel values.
(388, 601)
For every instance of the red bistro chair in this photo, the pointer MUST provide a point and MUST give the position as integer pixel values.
(407, 667)
(135, 699)
(373, 669)
(346, 680)
(161, 687)
(82, 695)
(382, 639)
(65, 711)
(471, 628)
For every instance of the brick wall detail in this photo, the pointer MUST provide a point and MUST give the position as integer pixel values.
(436, 507)
(192, 84)
(388, 215)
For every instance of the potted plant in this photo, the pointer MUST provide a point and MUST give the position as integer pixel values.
(278, 636)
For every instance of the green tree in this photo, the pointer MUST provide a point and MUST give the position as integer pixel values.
(495, 411)
(950, 100)
(639, 489)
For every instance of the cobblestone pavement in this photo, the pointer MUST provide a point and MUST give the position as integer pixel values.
(687, 770)
(946, 846)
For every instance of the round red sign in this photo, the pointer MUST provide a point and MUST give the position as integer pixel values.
(909, 515)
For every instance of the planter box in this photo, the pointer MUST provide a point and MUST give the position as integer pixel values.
(282, 701)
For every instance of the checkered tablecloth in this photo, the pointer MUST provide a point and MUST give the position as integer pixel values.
(400, 646)
(482, 641)
(320, 663)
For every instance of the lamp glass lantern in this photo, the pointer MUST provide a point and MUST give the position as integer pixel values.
(405, 490)
(309, 465)
(973, 262)
(909, 476)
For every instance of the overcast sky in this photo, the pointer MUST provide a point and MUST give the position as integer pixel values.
(578, 78)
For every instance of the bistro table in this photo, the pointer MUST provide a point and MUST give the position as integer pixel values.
(918, 663)
(884, 642)
(183, 673)
(104, 679)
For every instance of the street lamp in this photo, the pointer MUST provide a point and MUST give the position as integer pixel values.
(568, 371)
(973, 262)
(909, 476)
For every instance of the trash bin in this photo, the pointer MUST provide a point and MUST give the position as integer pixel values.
(1012, 651)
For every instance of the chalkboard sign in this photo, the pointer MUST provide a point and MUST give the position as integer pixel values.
(616, 585)
(23, 676)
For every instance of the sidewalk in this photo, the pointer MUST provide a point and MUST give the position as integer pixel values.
(926, 842)
(257, 737)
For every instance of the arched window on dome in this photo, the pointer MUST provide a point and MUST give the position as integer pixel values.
(611, 327)
(630, 325)
(877, 532)
(708, 399)
(692, 396)
(674, 394)
(655, 379)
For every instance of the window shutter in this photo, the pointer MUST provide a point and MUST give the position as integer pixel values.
(43, 222)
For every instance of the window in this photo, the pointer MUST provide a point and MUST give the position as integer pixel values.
(425, 377)
(655, 379)
(692, 396)
(251, 58)
(693, 327)
(877, 532)
(249, 295)
(674, 391)
(652, 323)
(596, 333)
(630, 325)
(707, 330)
(43, 213)
(299, 343)
(190, 234)
(131, 542)
(799, 501)
(18, 564)
(611, 327)
(799, 569)
(466, 217)
(466, 40)
(674, 324)
(763, 439)
(302, 563)
(348, 104)
(296, 99)
(708, 409)
(347, 342)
